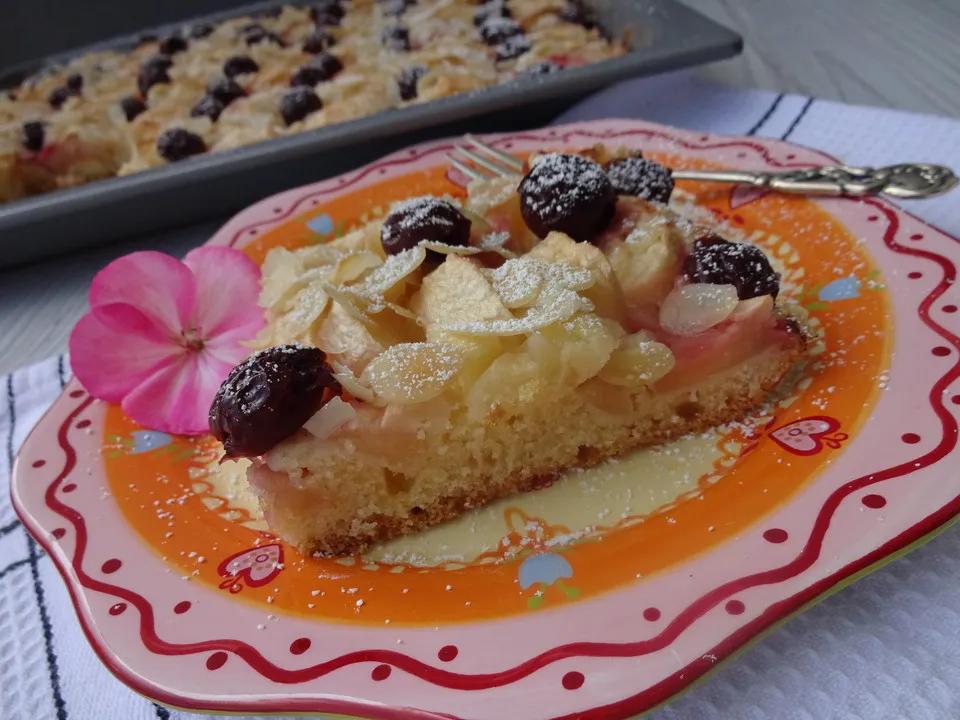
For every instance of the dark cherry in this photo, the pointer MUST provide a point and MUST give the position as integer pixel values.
(408, 79)
(176, 144)
(644, 178)
(298, 103)
(494, 30)
(319, 69)
(226, 90)
(721, 262)
(58, 96)
(75, 82)
(396, 37)
(317, 41)
(201, 30)
(152, 72)
(208, 106)
(513, 47)
(567, 193)
(423, 218)
(33, 135)
(495, 9)
(255, 33)
(132, 106)
(547, 67)
(326, 20)
(172, 44)
(577, 12)
(268, 397)
(239, 65)
(322, 11)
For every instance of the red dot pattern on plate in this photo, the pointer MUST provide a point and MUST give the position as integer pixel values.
(300, 646)
(735, 607)
(910, 438)
(380, 672)
(914, 275)
(38, 463)
(949, 308)
(651, 614)
(874, 501)
(77, 393)
(216, 661)
(941, 351)
(447, 653)
(917, 236)
(775, 535)
(181, 607)
(83, 424)
(117, 608)
(69, 487)
(111, 566)
(873, 218)
(59, 533)
(572, 680)
(955, 399)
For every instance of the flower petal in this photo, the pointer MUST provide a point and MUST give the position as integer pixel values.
(177, 397)
(228, 284)
(110, 363)
(125, 319)
(158, 285)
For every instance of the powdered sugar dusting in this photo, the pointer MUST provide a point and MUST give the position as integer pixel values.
(556, 301)
(412, 372)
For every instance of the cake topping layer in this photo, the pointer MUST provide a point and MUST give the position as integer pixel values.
(444, 303)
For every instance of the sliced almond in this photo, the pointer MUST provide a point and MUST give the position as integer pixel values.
(393, 271)
(308, 305)
(412, 372)
(353, 266)
(557, 301)
(457, 292)
(445, 249)
(640, 360)
(280, 270)
(340, 334)
(518, 281)
(334, 415)
(692, 309)
(349, 382)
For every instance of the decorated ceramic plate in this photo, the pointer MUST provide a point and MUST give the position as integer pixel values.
(599, 596)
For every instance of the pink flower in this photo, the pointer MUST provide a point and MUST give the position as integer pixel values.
(162, 334)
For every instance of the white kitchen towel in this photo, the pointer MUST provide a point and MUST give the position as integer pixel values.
(887, 648)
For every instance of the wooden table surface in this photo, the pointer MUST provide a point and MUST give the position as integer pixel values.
(876, 52)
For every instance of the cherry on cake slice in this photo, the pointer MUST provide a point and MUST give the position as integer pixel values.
(450, 354)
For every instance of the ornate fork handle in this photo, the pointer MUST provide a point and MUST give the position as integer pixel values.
(909, 180)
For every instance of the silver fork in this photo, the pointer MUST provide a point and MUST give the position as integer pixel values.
(478, 160)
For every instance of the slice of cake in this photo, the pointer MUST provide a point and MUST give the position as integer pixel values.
(448, 355)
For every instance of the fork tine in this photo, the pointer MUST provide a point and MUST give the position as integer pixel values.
(480, 160)
(505, 158)
(467, 170)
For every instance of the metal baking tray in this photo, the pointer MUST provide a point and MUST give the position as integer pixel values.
(665, 35)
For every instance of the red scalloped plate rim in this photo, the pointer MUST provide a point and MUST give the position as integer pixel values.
(661, 691)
